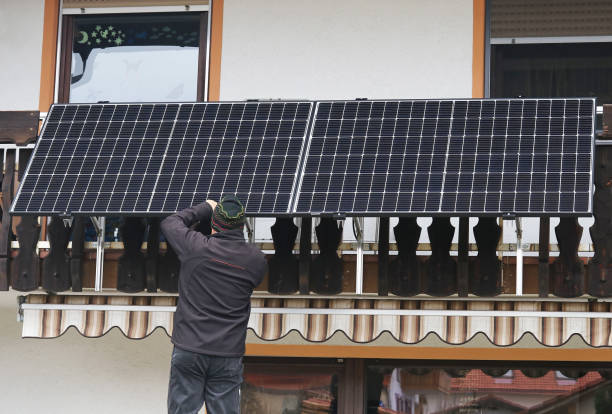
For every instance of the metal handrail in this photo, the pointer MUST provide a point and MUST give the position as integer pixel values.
(368, 247)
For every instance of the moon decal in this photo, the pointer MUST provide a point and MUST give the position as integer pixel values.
(84, 39)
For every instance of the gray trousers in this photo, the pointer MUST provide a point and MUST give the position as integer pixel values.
(198, 378)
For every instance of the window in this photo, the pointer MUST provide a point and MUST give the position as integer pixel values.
(397, 388)
(128, 57)
(270, 388)
(133, 57)
(550, 48)
(552, 70)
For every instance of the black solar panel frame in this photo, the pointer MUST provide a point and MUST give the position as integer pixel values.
(288, 213)
(509, 214)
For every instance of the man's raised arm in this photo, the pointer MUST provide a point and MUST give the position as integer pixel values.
(176, 228)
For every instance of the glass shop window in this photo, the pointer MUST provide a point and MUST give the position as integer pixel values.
(298, 390)
(409, 390)
(136, 58)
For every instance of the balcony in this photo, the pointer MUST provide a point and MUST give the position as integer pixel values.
(403, 277)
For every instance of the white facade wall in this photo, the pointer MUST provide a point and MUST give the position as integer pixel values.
(75, 375)
(271, 49)
(345, 49)
(70, 374)
(21, 29)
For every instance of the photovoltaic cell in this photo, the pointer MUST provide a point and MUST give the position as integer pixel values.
(159, 158)
(492, 156)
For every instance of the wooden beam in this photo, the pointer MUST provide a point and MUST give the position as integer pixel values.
(18, 127)
(478, 49)
(49, 54)
(433, 353)
(216, 36)
(5, 226)
(352, 395)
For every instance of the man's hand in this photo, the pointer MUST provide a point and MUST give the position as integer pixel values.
(212, 203)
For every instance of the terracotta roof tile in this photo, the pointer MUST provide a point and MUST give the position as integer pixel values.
(477, 380)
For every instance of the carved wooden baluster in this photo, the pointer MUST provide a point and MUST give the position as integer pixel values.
(5, 227)
(567, 271)
(152, 255)
(383, 256)
(441, 268)
(76, 256)
(283, 266)
(168, 273)
(56, 266)
(25, 269)
(405, 270)
(463, 277)
(544, 258)
(600, 266)
(305, 255)
(485, 277)
(326, 269)
(131, 272)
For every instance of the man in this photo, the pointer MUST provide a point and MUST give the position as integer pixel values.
(218, 275)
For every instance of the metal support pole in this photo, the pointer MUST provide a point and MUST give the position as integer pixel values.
(358, 232)
(519, 257)
(99, 224)
(250, 224)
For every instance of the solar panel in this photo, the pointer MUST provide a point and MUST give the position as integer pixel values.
(108, 159)
(445, 157)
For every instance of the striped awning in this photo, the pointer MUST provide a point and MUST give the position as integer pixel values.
(455, 322)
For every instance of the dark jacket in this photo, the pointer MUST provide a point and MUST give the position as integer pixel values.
(218, 275)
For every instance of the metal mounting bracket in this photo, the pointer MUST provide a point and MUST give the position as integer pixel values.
(250, 225)
(99, 224)
(358, 232)
(519, 256)
(21, 299)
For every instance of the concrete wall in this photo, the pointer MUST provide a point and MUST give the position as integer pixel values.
(344, 49)
(21, 27)
(72, 374)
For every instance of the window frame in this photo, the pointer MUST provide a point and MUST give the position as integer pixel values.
(67, 27)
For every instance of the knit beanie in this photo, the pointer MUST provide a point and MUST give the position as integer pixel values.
(228, 215)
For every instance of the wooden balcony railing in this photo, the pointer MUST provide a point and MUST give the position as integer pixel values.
(48, 253)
